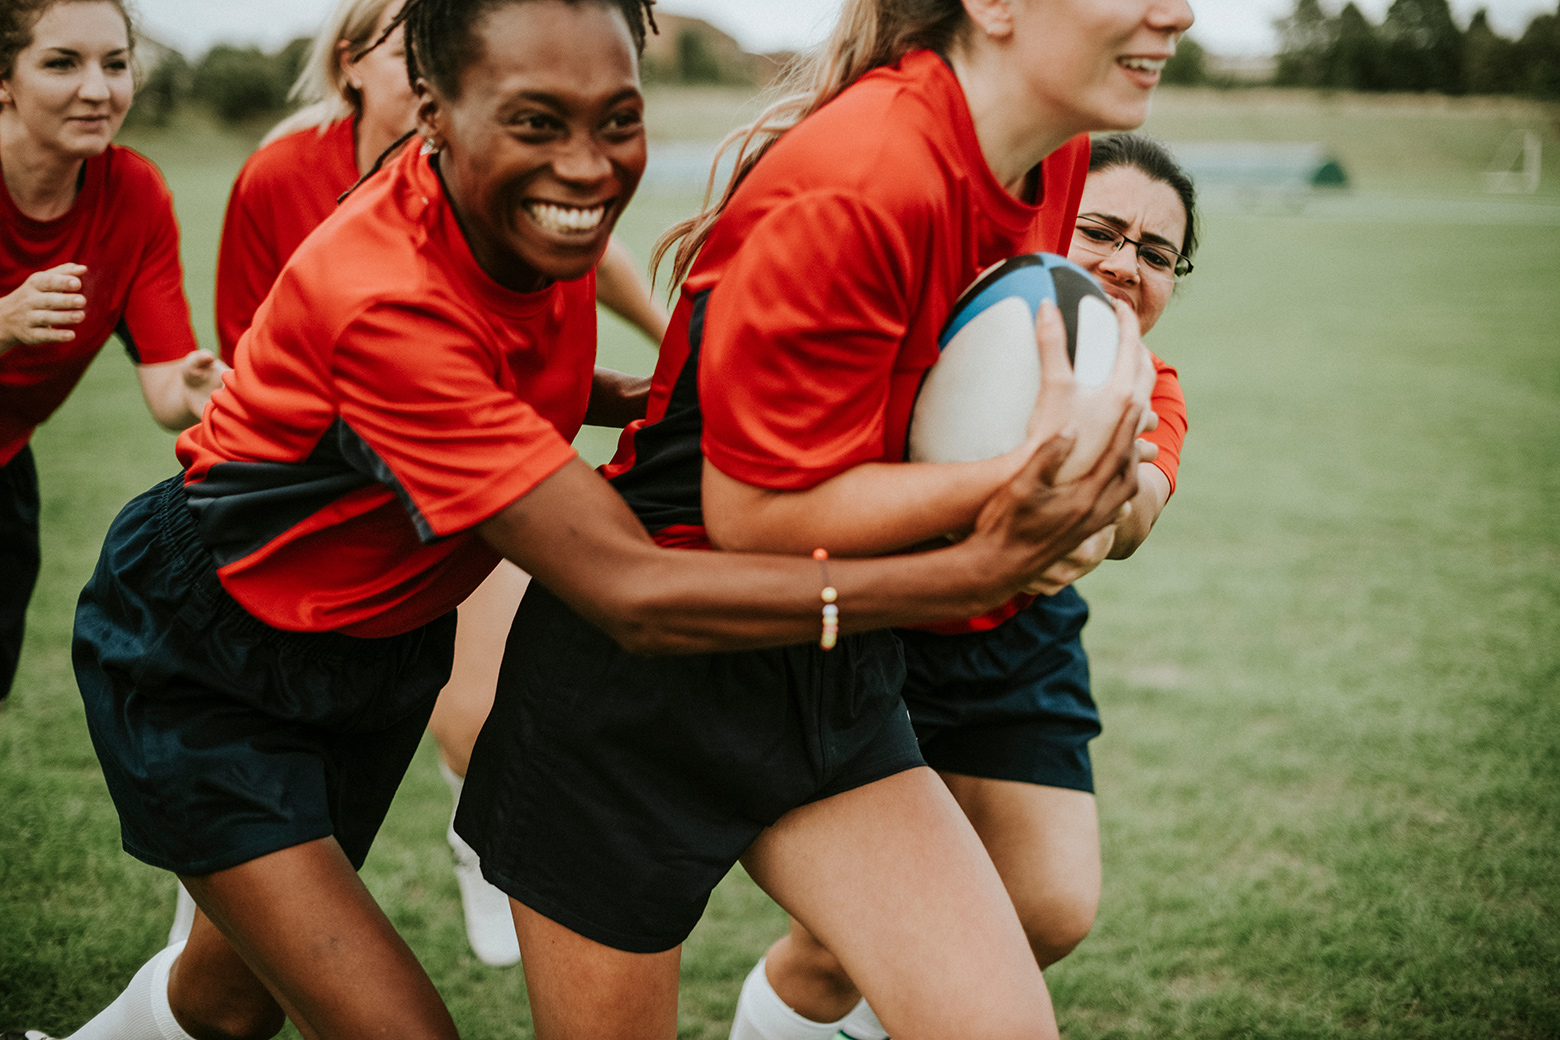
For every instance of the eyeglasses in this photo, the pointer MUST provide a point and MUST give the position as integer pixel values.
(1104, 240)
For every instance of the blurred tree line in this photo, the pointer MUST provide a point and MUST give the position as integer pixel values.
(1418, 47)
(238, 84)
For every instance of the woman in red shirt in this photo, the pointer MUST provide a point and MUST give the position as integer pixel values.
(89, 249)
(266, 632)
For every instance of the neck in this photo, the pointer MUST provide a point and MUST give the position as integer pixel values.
(42, 183)
(370, 143)
(1015, 133)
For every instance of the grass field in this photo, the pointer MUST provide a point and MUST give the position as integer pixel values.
(1330, 778)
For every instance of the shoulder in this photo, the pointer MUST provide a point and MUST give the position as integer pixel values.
(128, 172)
(307, 160)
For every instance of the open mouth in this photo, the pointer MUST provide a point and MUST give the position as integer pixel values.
(1145, 65)
(567, 220)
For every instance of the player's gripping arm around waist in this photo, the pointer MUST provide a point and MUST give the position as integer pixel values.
(881, 507)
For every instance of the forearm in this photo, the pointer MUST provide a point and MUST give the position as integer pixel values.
(616, 399)
(621, 289)
(869, 509)
(1153, 493)
(579, 539)
(177, 392)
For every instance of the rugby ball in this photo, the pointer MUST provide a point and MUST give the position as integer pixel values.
(976, 399)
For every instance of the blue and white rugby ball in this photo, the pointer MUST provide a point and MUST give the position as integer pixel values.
(975, 401)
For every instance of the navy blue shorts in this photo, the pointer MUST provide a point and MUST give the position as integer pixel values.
(223, 739)
(1011, 703)
(611, 793)
(19, 558)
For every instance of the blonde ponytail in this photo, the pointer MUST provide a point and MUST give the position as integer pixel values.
(868, 35)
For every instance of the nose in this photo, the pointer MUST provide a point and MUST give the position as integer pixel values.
(1173, 16)
(582, 161)
(1122, 265)
(94, 85)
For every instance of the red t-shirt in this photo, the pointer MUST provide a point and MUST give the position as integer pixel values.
(123, 229)
(284, 191)
(814, 308)
(389, 398)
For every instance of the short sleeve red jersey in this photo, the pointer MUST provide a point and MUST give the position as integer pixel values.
(1169, 403)
(122, 229)
(814, 308)
(284, 191)
(389, 398)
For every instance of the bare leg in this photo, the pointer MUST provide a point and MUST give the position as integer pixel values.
(893, 880)
(1045, 842)
(299, 925)
(483, 628)
(582, 990)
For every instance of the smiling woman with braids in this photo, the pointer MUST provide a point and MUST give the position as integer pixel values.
(265, 633)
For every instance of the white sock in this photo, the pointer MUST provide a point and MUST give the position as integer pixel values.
(183, 915)
(762, 1015)
(142, 1011)
(465, 853)
(863, 1024)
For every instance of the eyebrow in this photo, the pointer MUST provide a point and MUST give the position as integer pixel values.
(542, 97)
(69, 53)
(1121, 224)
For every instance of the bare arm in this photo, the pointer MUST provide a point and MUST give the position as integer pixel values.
(616, 398)
(580, 539)
(1153, 493)
(177, 392)
(623, 290)
(886, 507)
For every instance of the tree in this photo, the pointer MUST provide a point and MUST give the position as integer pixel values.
(1189, 67)
(163, 90)
(1422, 47)
(1355, 60)
(1489, 59)
(240, 83)
(1538, 57)
(1304, 40)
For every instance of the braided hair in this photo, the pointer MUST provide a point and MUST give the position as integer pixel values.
(438, 34)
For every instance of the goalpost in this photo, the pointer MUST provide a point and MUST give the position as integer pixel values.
(1516, 168)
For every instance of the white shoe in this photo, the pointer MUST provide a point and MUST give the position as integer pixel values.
(490, 928)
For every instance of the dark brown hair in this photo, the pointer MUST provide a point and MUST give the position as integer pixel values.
(1152, 159)
(18, 18)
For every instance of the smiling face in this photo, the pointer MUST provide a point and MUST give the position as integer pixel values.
(545, 145)
(70, 88)
(1093, 64)
(1141, 208)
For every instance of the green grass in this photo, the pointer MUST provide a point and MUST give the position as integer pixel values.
(1330, 777)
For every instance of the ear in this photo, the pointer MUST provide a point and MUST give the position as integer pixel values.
(430, 114)
(993, 18)
(347, 65)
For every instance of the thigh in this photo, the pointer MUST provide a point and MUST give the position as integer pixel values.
(302, 921)
(19, 557)
(582, 990)
(893, 880)
(1045, 844)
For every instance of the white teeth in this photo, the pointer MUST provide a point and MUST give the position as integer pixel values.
(566, 219)
(1144, 64)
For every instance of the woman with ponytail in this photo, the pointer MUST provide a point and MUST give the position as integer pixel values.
(929, 140)
(265, 634)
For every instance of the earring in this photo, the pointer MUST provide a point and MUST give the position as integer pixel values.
(431, 147)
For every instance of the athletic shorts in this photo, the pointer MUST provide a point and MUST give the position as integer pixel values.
(19, 558)
(223, 739)
(611, 793)
(1011, 703)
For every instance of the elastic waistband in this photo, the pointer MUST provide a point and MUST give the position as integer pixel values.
(207, 601)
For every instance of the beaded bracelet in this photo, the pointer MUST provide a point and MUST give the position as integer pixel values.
(831, 612)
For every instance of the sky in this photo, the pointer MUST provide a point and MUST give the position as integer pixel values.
(1233, 27)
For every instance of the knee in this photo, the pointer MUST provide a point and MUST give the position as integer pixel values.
(1057, 923)
(803, 961)
(212, 1022)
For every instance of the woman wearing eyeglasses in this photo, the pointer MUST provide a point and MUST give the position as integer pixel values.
(1005, 714)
